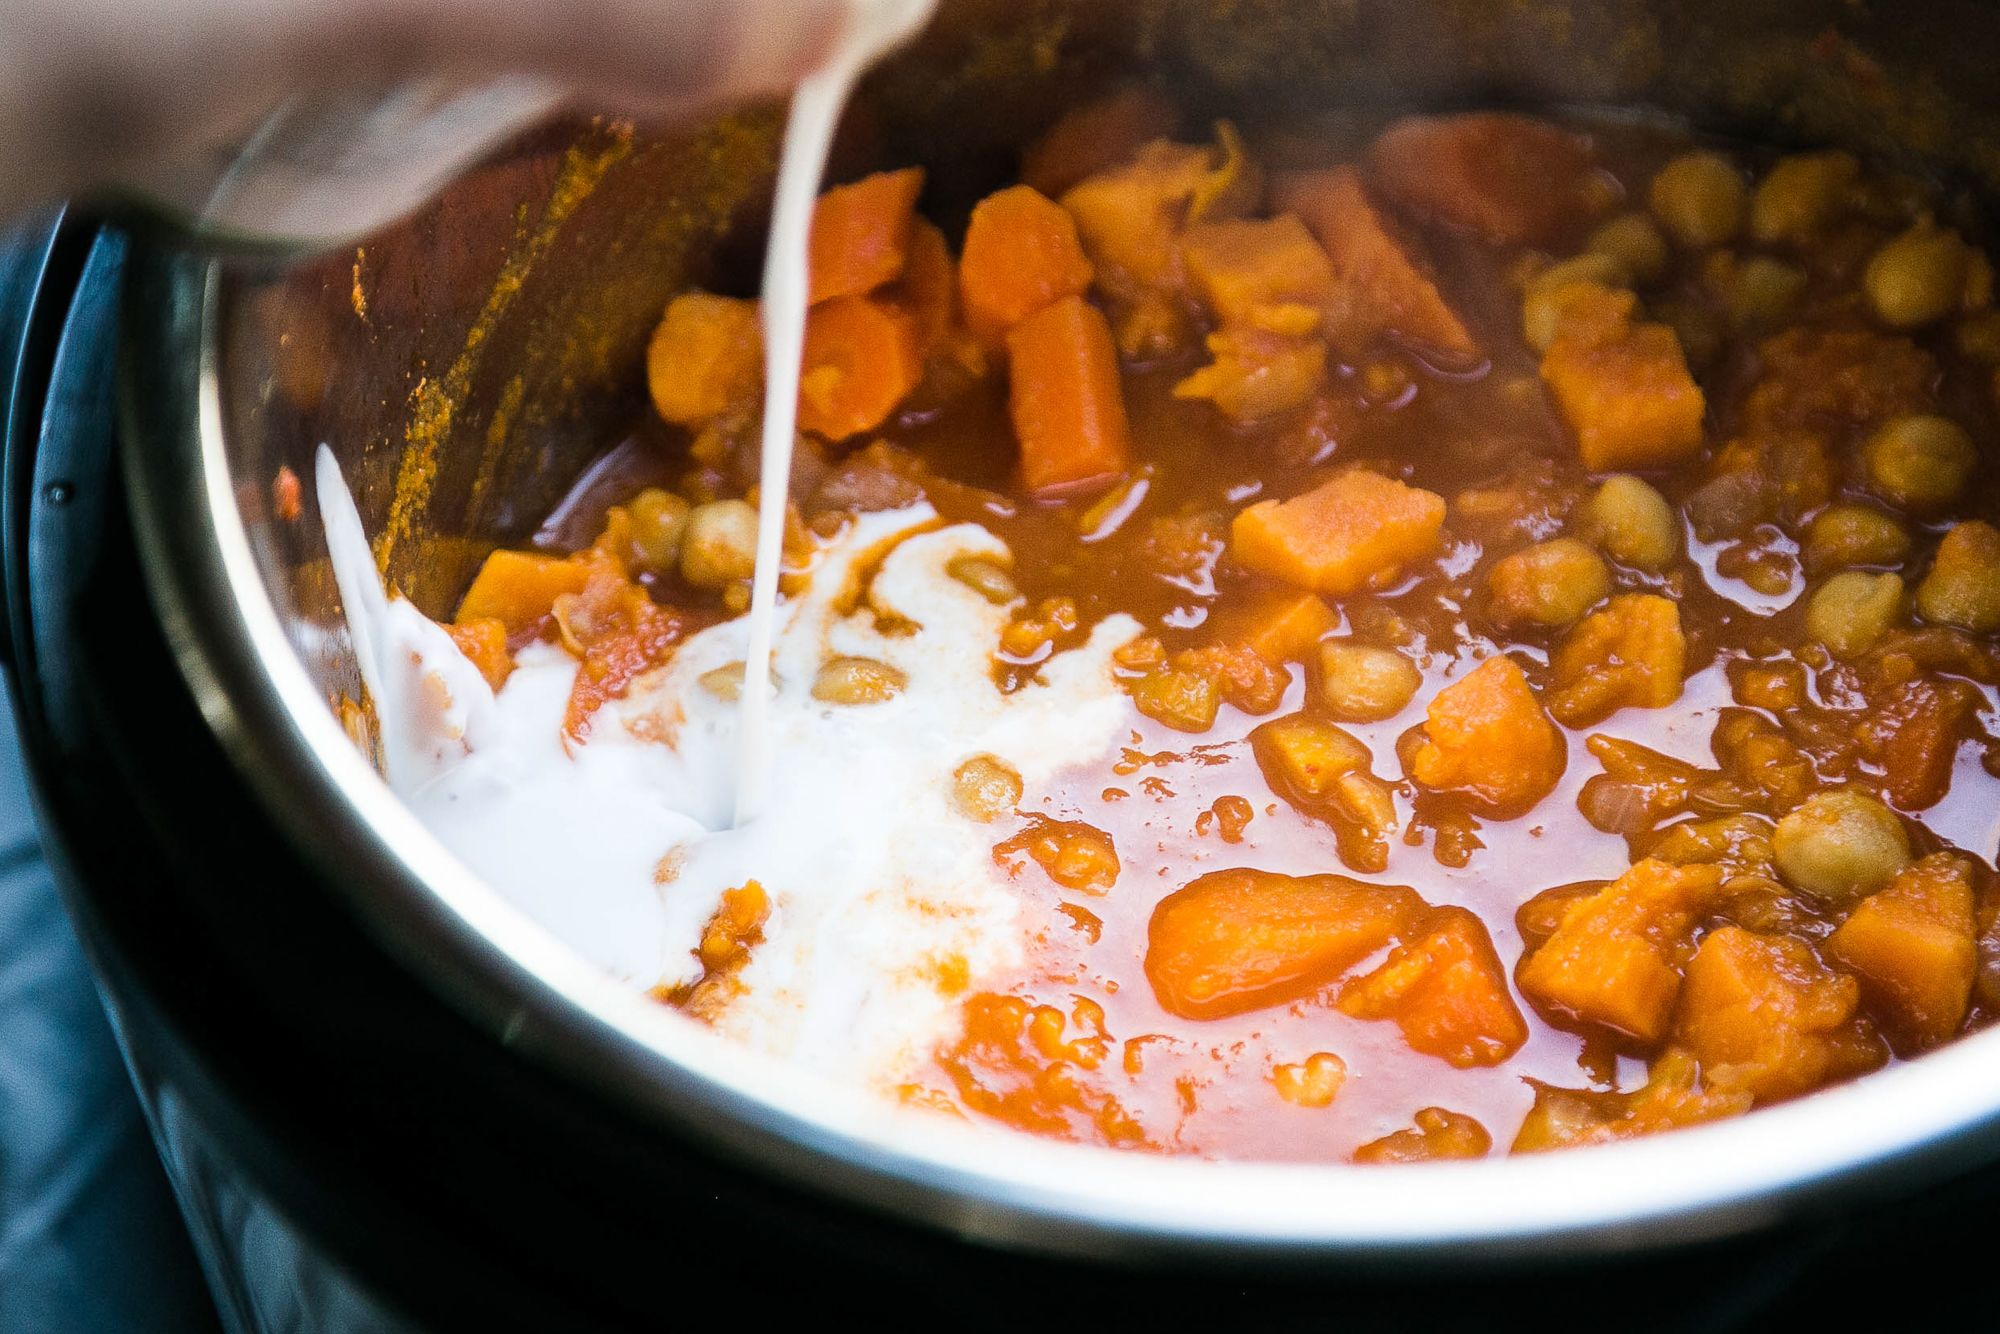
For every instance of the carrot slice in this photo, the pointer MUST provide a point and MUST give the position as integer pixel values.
(861, 234)
(1238, 940)
(1021, 254)
(1096, 135)
(862, 357)
(1067, 405)
(706, 358)
(1341, 535)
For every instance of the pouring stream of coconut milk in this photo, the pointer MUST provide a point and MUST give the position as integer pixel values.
(876, 27)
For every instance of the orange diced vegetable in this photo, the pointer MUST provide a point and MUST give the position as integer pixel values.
(1447, 991)
(1238, 940)
(1257, 374)
(1435, 1135)
(1629, 655)
(862, 357)
(1627, 397)
(1279, 625)
(1914, 946)
(519, 588)
(861, 234)
(1130, 216)
(1672, 1097)
(484, 644)
(1345, 534)
(706, 358)
(1380, 282)
(1486, 738)
(1614, 960)
(1096, 135)
(1508, 179)
(1066, 400)
(1021, 254)
(1267, 273)
(1764, 1016)
(928, 288)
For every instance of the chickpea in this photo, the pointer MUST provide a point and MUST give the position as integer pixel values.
(1978, 337)
(1917, 278)
(1634, 242)
(1963, 586)
(985, 787)
(1840, 845)
(984, 576)
(1551, 583)
(1850, 612)
(1632, 523)
(658, 520)
(1545, 301)
(1699, 198)
(1801, 194)
(1843, 535)
(1919, 463)
(1362, 683)
(719, 546)
(846, 680)
(1761, 291)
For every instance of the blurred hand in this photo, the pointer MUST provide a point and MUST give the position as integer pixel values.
(104, 93)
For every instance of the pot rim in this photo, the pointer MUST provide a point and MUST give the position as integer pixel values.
(534, 994)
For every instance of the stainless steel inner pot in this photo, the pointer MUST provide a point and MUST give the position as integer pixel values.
(466, 365)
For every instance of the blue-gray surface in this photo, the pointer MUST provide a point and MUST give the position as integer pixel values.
(90, 1242)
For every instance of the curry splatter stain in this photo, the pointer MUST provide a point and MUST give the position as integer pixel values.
(358, 295)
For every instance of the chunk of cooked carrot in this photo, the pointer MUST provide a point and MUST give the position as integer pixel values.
(1278, 624)
(1255, 374)
(1487, 739)
(1505, 178)
(1065, 397)
(1096, 135)
(1614, 960)
(706, 358)
(1628, 399)
(1447, 991)
(861, 234)
(928, 288)
(1239, 940)
(1629, 655)
(1021, 254)
(1914, 946)
(484, 644)
(1265, 273)
(520, 588)
(862, 357)
(1764, 1016)
(1351, 531)
(1381, 283)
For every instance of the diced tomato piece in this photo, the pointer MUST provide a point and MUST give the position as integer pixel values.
(1764, 1016)
(1381, 283)
(1614, 961)
(861, 234)
(1505, 178)
(1239, 940)
(862, 358)
(1486, 738)
(1447, 991)
(1021, 255)
(1914, 946)
(706, 358)
(1066, 400)
(1342, 535)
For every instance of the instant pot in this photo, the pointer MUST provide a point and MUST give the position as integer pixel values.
(388, 1102)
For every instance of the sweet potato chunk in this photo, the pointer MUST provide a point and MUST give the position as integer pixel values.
(1671, 1097)
(1381, 284)
(1614, 960)
(1021, 254)
(1094, 136)
(1447, 991)
(1130, 216)
(1914, 947)
(1628, 398)
(1629, 655)
(862, 358)
(1266, 273)
(861, 234)
(484, 644)
(1342, 535)
(519, 588)
(1255, 374)
(1765, 1017)
(1238, 940)
(1066, 400)
(1436, 1135)
(1486, 737)
(1505, 178)
(1280, 625)
(706, 358)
